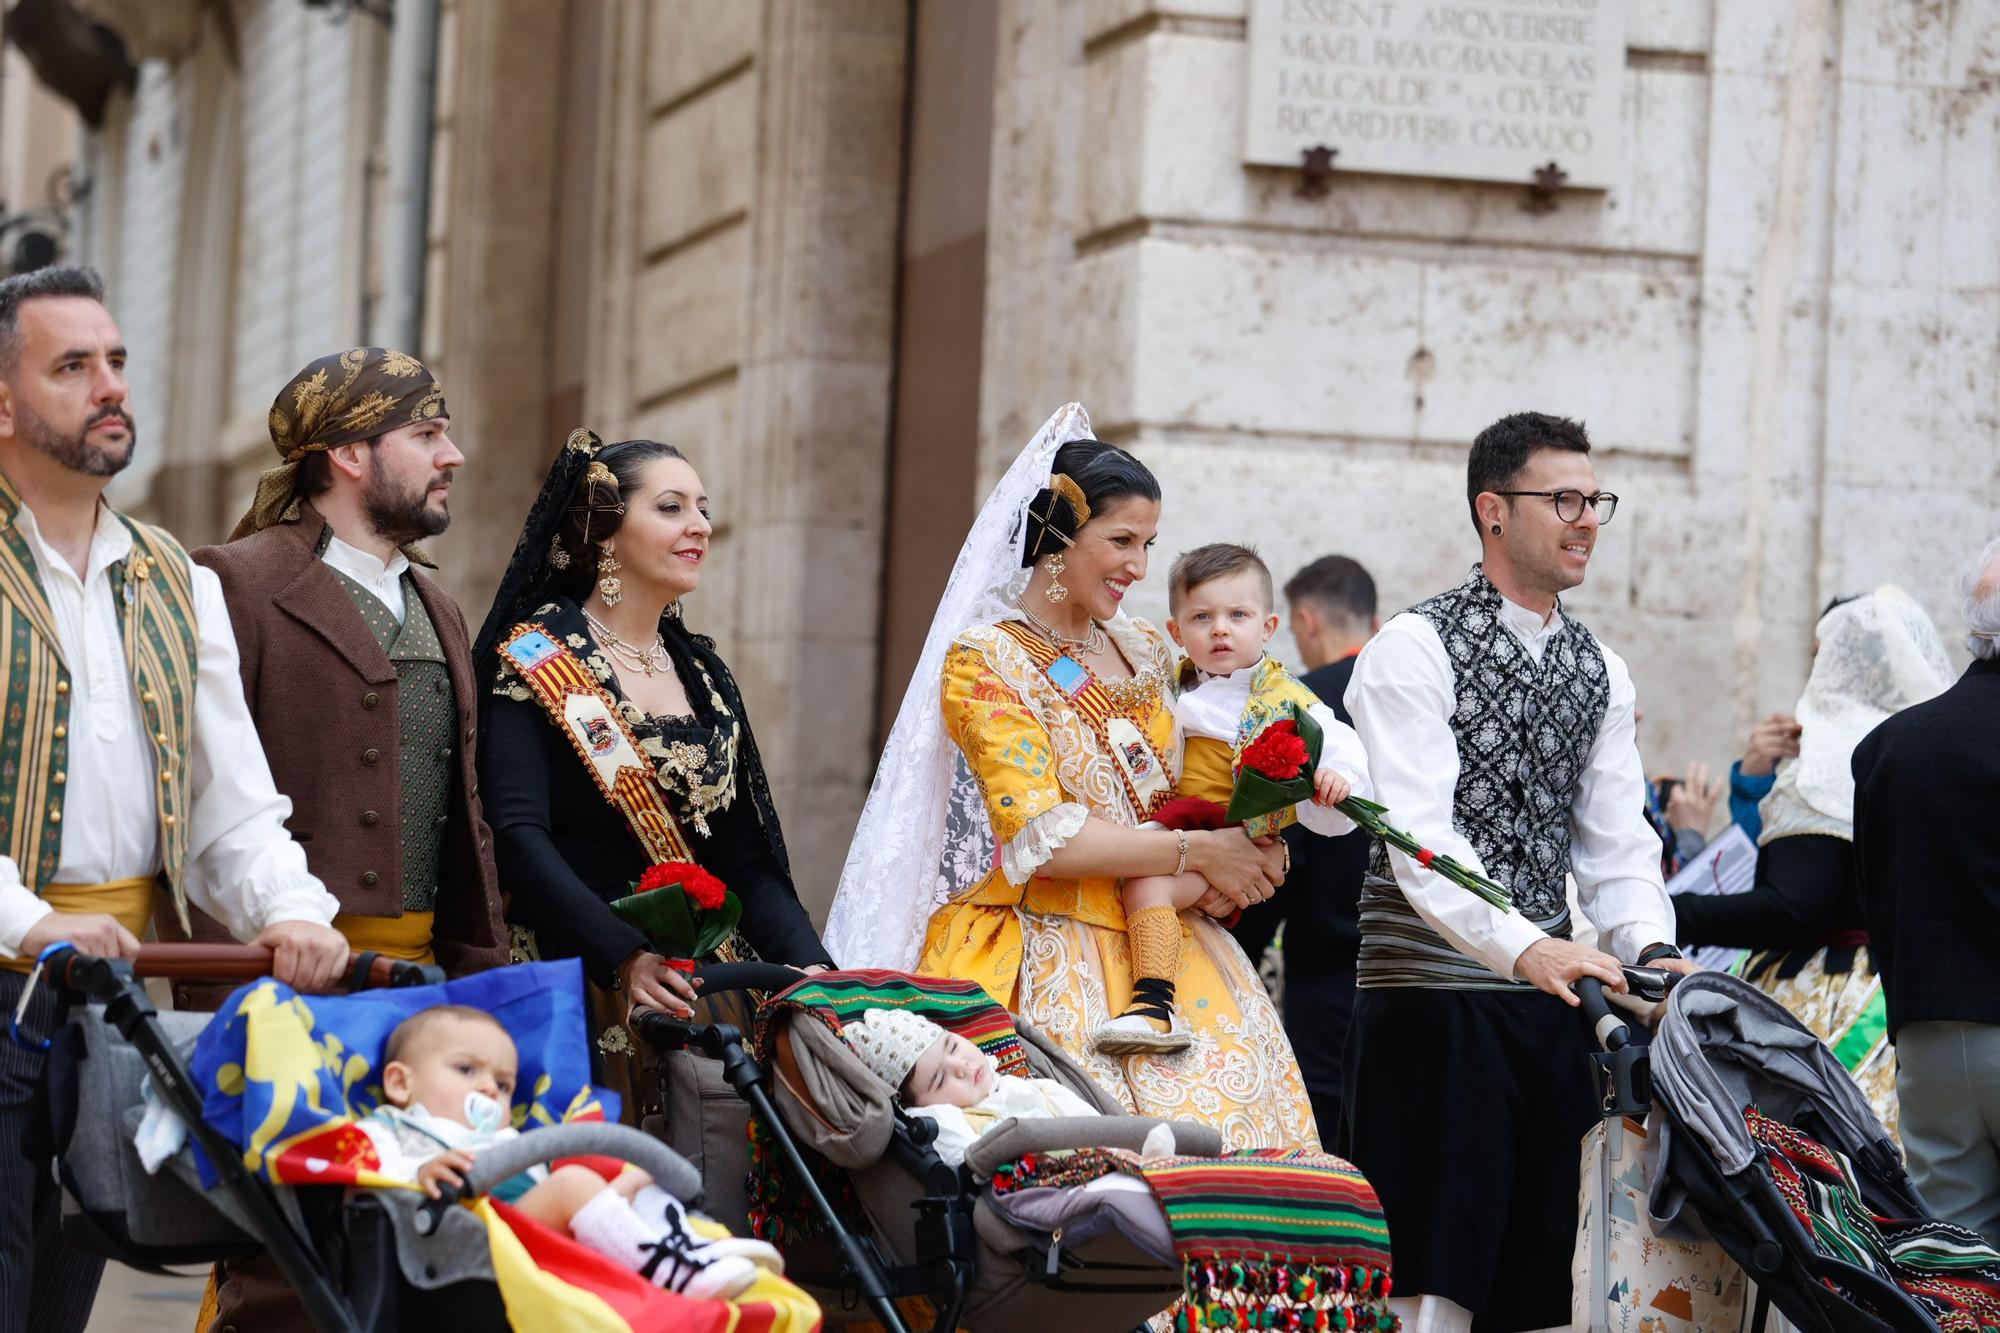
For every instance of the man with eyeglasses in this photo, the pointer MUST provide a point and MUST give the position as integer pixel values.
(1500, 731)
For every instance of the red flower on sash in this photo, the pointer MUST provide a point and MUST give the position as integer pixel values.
(1279, 752)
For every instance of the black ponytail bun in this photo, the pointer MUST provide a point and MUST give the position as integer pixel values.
(1103, 472)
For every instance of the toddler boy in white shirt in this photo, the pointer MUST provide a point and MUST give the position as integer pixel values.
(1222, 610)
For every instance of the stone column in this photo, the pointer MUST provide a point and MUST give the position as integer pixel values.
(816, 381)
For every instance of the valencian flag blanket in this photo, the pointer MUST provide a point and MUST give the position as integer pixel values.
(287, 1075)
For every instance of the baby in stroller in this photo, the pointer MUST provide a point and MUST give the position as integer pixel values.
(943, 1077)
(448, 1078)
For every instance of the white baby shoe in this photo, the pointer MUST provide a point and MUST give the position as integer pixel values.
(1136, 1034)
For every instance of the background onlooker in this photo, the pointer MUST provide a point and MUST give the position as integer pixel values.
(1877, 655)
(1775, 738)
(1332, 612)
(1926, 785)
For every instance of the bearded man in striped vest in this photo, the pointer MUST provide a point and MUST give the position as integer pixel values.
(128, 763)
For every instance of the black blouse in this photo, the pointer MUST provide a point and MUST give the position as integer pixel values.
(1805, 890)
(564, 852)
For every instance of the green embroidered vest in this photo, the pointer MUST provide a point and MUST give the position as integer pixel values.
(153, 590)
(427, 720)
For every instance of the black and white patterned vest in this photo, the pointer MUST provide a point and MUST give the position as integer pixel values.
(1524, 732)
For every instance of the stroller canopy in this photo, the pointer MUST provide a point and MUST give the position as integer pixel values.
(1724, 1045)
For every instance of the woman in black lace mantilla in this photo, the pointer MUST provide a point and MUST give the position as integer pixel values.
(616, 538)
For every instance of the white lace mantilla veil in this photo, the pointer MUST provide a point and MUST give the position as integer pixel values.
(1877, 655)
(924, 833)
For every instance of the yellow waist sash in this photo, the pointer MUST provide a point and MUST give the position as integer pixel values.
(129, 900)
(406, 937)
(1209, 770)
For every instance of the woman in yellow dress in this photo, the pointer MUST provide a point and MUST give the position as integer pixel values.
(1035, 741)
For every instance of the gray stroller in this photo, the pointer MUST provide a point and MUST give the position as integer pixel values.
(371, 1261)
(1726, 1057)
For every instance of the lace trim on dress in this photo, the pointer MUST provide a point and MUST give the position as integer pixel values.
(1039, 839)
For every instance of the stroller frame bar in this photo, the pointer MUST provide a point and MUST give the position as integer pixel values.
(127, 1007)
(874, 1280)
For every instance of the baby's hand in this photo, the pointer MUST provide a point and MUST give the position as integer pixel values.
(1329, 788)
(448, 1167)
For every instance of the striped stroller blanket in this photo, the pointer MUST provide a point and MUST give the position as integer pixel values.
(1948, 1270)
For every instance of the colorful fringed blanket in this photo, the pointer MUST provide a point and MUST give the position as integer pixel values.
(837, 998)
(779, 1211)
(1946, 1269)
(1267, 1240)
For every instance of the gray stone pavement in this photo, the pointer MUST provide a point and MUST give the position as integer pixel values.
(133, 1302)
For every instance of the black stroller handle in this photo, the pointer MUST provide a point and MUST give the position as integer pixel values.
(1608, 1027)
(503, 1161)
(773, 977)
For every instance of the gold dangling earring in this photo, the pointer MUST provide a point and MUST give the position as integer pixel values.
(609, 587)
(1056, 592)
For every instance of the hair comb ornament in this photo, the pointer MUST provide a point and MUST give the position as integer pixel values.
(1066, 487)
(1049, 532)
(583, 440)
(594, 476)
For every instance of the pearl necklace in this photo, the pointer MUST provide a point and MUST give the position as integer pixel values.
(1093, 641)
(651, 660)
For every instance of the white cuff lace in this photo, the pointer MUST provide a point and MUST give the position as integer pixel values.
(1031, 848)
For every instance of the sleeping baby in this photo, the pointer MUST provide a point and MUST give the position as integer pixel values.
(943, 1077)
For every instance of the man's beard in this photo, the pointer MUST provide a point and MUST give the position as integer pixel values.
(401, 515)
(76, 452)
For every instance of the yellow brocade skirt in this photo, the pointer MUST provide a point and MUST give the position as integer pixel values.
(1054, 952)
(406, 938)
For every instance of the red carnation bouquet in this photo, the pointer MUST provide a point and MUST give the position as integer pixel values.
(1275, 772)
(685, 912)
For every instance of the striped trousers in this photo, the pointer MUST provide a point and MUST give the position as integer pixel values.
(46, 1286)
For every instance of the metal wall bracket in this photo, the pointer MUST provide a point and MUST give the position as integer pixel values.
(1547, 185)
(1316, 171)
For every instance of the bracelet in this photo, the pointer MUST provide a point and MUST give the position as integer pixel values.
(1181, 865)
(1652, 951)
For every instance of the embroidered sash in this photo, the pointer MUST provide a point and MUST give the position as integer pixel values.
(1148, 781)
(577, 702)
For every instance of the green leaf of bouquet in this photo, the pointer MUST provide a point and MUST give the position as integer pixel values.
(1256, 795)
(716, 926)
(664, 917)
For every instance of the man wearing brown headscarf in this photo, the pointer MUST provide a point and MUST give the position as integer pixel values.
(358, 671)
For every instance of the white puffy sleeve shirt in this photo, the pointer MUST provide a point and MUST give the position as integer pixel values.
(242, 867)
(1402, 696)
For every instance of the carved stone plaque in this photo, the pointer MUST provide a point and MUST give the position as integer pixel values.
(1469, 89)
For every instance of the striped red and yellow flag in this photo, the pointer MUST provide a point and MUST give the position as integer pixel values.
(548, 1281)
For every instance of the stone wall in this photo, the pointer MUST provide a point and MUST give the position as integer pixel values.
(1781, 324)
(746, 312)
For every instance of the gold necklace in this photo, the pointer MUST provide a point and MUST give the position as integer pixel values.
(651, 660)
(1093, 641)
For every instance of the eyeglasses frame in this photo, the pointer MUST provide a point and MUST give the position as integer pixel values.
(1591, 500)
